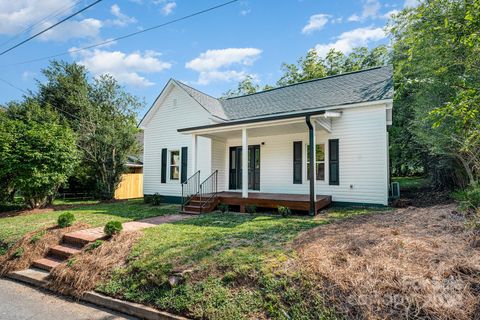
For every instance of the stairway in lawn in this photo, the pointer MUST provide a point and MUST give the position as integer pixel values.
(72, 243)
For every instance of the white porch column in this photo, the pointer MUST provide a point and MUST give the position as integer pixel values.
(194, 154)
(244, 163)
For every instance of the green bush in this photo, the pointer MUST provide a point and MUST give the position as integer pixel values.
(112, 228)
(251, 208)
(284, 211)
(94, 245)
(223, 207)
(469, 198)
(156, 199)
(18, 253)
(65, 219)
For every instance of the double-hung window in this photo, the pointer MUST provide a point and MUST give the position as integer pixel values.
(319, 161)
(174, 165)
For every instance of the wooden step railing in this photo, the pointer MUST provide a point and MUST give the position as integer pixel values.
(190, 188)
(208, 190)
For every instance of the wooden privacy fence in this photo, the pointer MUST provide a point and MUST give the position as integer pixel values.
(131, 186)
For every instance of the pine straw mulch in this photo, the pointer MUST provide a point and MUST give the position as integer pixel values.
(33, 246)
(413, 263)
(91, 267)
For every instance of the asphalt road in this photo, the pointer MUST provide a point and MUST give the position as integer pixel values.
(22, 302)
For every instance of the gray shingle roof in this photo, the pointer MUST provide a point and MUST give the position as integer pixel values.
(354, 87)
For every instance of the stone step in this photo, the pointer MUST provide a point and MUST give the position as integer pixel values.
(32, 276)
(64, 251)
(83, 237)
(46, 264)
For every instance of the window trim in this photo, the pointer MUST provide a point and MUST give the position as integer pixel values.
(178, 165)
(325, 155)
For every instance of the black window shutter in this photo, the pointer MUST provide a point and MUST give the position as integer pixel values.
(163, 178)
(297, 162)
(333, 163)
(183, 170)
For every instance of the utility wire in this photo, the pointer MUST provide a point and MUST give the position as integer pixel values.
(127, 35)
(30, 27)
(14, 86)
(51, 27)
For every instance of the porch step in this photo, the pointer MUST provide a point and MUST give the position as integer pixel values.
(193, 208)
(64, 251)
(189, 212)
(46, 264)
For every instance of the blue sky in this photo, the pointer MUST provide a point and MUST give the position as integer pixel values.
(211, 52)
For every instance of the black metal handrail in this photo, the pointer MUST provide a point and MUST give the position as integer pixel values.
(190, 188)
(208, 189)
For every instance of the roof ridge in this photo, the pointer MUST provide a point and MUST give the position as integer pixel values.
(186, 85)
(306, 81)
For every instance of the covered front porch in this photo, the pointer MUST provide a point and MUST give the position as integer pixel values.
(267, 162)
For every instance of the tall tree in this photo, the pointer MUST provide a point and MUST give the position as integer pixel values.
(39, 152)
(102, 114)
(437, 77)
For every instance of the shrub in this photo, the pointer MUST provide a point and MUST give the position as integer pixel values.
(94, 245)
(18, 253)
(251, 208)
(469, 198)
(37, 237)
(112, 228)
(284, 211)
(65, 219)
(223, 207)
(156, 199)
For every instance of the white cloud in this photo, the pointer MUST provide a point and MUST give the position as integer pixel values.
(26, 75)
(411, 3)
(351, 39)
(224, 64)
(121, 18)
(316, 22)
(370, 9)
(86, 28)
(390, 13)
(126, 68)
(167, 9)
(16, 15)
(244, 12)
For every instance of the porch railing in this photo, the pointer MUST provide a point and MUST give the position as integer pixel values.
(208, 190)
(190, 188)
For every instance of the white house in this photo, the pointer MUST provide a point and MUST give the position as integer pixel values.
(208, 146)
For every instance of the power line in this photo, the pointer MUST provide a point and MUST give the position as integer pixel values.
(14, 86)
(51, 27)
(127, 35)
(30, 27)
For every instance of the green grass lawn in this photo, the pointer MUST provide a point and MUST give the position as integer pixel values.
(411, 182)
(13, 228)
(235, 261)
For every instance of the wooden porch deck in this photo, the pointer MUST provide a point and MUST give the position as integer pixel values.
(273, 200)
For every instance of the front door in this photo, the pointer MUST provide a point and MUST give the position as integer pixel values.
(235, 168)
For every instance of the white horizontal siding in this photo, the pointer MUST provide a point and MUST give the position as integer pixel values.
(161, 132)
(363, 158)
